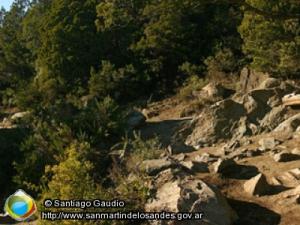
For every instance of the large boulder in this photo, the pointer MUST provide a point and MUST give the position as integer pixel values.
(250, 79)
(155, 166)
(217, 122)
(272, 119)
(268, 143)
(290, 125)
(215, 91)
(223, 165)
(259, 102)
(289, 178)
(269, 82)
(257, 185)
(195, 196)
(286, 156)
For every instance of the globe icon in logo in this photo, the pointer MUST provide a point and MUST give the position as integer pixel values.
(20, 206)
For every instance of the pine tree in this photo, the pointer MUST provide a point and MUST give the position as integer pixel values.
(271, 36)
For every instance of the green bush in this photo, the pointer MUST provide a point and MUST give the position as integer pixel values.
(193, 83)
(72, 178)
(118, 83)
(41, 148)
(224, 61)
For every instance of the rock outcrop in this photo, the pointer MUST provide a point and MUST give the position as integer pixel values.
(195, 196)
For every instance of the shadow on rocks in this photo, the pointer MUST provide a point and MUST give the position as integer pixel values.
(251, 213)
(240, 172)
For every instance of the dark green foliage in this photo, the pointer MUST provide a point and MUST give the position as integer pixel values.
(15, 59)
(69, 47)
(273, 42)
(9, 151)
(41, 148)
(114, 82)
(182, 31)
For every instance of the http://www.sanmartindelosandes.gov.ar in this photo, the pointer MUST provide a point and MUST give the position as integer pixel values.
(19, 206)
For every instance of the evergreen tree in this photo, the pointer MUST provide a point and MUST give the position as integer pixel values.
(69, 47)
(271, 36)
(15, 58)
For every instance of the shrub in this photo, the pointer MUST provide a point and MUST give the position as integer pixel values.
(193, 83)
(72, 178)
(111, 81)
(224, 61)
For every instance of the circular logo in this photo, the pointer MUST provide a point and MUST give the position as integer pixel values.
(20, 206)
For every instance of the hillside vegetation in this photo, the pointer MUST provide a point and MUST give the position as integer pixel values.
(79, 69)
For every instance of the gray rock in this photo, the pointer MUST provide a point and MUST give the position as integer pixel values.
(135, 119)
(257, 185)
(230, 146)
(192, 195)
(268, 143)
(285, 156)
(273, 118)
(250, 79)
(260, 102)
(222, 165)
(206, 158)
(290, 178)
(290, 125)
(180, 157)
(155, 166)
(218, 122)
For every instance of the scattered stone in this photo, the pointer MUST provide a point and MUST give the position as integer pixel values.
(268, 143)
(218, 122)
(290, 125)
(223, 165)
(290, 178)
(250, 79)
(252, 152)
(180, 157)
(177, 148)
(285, 157)
(291, 99)
(257, 185)
(136, 119)
(215, 91)
(194, 166)
(292, 196)
(259, 102)
(206, 158)
(296, 151)
(273, 118)
(155, 166)
(269, 83)
(230, 146)
(246, 141)
(192, 196)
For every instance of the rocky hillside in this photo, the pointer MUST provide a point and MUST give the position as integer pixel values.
(237, 160)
